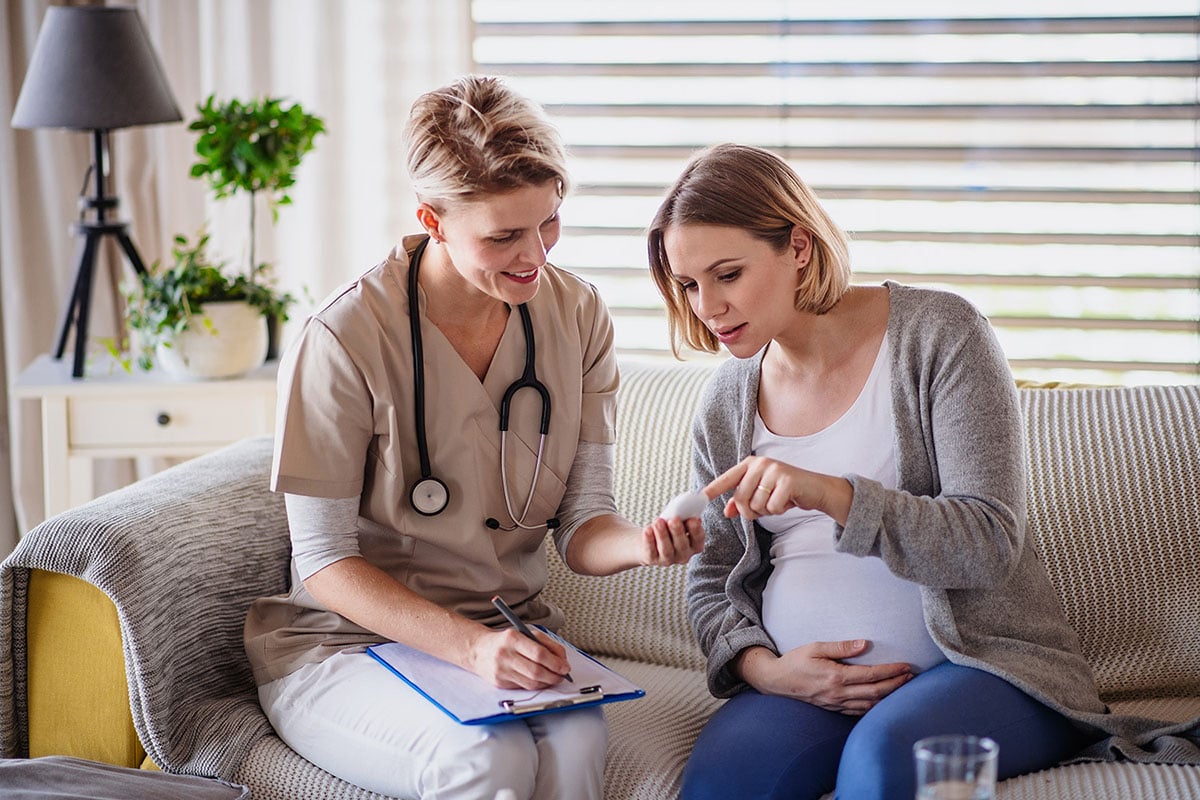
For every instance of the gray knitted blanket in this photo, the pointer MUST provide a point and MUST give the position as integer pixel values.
(139, 545)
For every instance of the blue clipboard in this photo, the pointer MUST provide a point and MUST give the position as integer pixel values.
(470, 700)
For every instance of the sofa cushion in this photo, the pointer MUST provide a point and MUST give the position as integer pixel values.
(640, 614)
(1114, 512)
(275, 771)
(1168, 709)
(1105, 781)
(650, 739)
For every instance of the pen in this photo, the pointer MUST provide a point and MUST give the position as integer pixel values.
(518, 623)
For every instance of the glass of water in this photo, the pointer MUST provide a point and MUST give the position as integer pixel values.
(956, 767)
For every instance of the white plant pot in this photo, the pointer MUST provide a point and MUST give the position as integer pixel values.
(235, 344)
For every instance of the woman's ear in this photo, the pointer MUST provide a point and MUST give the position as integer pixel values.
(428, 216)
(800, 246)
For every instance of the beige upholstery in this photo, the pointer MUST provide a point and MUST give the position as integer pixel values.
(1115, 511)
(640, 614)
(1105, 782)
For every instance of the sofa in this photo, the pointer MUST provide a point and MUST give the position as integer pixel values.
(121, 620)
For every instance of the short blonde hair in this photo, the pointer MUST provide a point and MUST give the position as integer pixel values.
(755, 190)
(477, 136)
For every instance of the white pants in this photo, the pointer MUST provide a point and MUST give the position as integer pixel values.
(353, 718)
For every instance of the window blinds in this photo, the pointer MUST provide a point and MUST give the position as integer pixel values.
(1044, 164)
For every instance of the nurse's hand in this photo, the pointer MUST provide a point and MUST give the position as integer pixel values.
(509, 660)
(666, 542)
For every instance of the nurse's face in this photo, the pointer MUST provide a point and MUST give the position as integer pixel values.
(499, 243)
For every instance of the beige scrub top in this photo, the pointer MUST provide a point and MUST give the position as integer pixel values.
(345, 428)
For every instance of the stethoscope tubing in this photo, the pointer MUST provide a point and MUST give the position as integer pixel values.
(430, 495)
(414, 320)
(528, 379)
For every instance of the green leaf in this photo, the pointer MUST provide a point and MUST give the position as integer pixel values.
(165, 301)
(252, 146)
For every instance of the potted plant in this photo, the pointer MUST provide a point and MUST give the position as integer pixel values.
(195, 320)
(253, 147)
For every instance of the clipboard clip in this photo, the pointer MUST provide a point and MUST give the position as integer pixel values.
(587, 694)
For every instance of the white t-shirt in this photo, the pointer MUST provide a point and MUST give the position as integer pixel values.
(816, 594)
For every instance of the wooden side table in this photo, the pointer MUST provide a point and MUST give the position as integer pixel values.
(112, 413)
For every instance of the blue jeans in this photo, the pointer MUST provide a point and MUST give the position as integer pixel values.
(762, 746)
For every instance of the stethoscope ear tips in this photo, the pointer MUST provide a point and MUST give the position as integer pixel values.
(492, 523)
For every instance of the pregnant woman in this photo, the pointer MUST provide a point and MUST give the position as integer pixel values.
(867, 579)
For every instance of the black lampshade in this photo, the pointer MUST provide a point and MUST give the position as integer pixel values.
(93, 68)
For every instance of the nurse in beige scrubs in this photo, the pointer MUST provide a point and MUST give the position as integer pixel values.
(409, 508)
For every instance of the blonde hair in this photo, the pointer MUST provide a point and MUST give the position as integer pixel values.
(755, 190)
(477, 136)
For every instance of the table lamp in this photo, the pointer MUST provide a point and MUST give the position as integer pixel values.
(93, 68)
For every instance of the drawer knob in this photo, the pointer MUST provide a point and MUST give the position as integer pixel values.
(163, 419)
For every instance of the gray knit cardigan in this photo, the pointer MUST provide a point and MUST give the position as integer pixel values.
(956, 525)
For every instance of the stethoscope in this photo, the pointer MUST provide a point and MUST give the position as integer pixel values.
(430, 495)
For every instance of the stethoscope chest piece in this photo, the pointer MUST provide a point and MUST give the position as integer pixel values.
(429, 496)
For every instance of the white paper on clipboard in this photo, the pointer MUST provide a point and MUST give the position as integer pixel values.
(470, 700)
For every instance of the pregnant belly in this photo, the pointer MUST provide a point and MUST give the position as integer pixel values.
(837, 597)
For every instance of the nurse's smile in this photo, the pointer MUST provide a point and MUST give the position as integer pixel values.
(524, 277)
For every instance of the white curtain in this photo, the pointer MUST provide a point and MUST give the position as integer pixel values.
(358, 64)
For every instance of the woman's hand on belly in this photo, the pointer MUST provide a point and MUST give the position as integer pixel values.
(813, 673)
